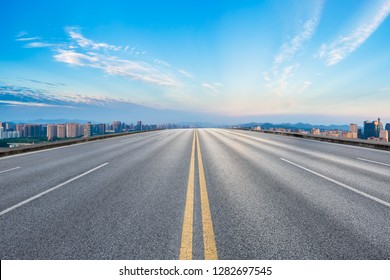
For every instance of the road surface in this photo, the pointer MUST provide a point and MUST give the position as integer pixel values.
(196, 194)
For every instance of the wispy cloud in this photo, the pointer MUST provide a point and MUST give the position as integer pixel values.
(266, 77)
(345, 45)
(44, 83)
(289, 48)
(16, 95)
(304, 86)
(135, 70)
(284, 67)
(185, 73)
(214, 87)
(32, 104)
(81, 51)
(161, 62)
(33, 42)
(38, 45)
(83, 42)
(27, 39)
(280, 85)
(104, 56)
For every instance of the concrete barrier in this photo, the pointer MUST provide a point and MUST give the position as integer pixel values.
(353, 142)
(67, 142)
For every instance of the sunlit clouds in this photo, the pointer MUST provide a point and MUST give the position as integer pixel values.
(231, 59)
(347, 44)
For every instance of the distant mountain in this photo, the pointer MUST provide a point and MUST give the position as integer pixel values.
(303, 126)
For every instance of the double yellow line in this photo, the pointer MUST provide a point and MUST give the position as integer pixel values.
(210, 248)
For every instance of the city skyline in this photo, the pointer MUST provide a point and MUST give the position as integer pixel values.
(61, 129)
(322, 62)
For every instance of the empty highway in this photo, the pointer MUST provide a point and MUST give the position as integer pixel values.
(196, 194)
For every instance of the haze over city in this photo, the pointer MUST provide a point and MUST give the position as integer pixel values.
(221, 61)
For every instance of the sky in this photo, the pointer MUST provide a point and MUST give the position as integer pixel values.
(319, 61)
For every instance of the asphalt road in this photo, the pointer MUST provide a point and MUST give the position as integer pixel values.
(210, 194)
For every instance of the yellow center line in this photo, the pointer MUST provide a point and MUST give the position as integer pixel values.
(210, 248)
(187, 233)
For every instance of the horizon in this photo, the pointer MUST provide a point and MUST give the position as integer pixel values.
(191, 123)
(322, 62)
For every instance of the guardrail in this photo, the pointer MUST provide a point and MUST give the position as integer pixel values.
(67, 142)
(353, 142)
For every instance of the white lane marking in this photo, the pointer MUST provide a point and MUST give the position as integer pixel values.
(50, 190)
(373, 161)
(67, 146)
(45, 150)
(323, 142)
(339, 183)
(326, 156)
(9, 169)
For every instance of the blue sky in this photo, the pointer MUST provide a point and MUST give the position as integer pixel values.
(323, 61)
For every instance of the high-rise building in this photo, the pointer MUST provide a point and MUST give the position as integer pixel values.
(117, 126)
(315, 131)
(371, 129)
(387, 127)
(79, 130)
(139, 125)
(353, 129)
(87, 130)
(101, 128)
(384, 135)
(10, 126)
(1, 132)
(98, 128)
(61, 131)
(380, 124)
(51, 131)
(72, 130)
(19, 128)
(32, 130)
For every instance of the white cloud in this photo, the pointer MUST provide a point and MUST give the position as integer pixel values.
(91, 100)
(214, 87)
(281, 83)
(283, 69)
(75, 58)
(305, 85)
(84, 52)
(38, 97)
(161, 62)
(266, 77)
(345, 45)
(288, 49)
(32, 104)
(83, 42)
(185, 73)
(38, 45)
(28, 39)
(115, 60)
(135, 70)
(21, 34)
